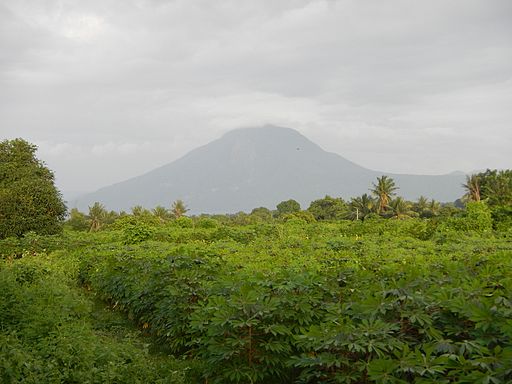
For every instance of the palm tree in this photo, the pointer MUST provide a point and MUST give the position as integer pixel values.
(472, 187)
(400, 208)
(434, 207)
(421, 205)
(361, 206)
(496, 187)
(97, 215)
(425, 208)
(383, 191)
(161, 213)
(178, 208)
(139, 210)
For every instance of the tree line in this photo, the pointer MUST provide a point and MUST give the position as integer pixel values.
(29, 200)
(489, 188)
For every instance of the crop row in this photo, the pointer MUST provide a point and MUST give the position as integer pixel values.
(356, 314)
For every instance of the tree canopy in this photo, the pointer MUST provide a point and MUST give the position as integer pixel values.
(328, 208)
(29, 200)
(384, 190)
(496, 186)
(288, 206)
(361, 206)
(472, 187)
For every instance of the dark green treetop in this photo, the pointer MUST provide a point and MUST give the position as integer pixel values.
(288, 206)
(328, 208)
(29, 200)
(496, 187)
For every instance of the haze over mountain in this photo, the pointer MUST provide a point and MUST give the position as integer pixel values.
(253, 167)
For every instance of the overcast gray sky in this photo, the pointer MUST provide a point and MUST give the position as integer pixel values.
(109, 89)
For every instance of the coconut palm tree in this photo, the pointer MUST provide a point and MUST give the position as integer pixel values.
(384, 190)
(434, 207)
(472, 187)
(97, 215)
(400, 208)
(361, 206)
(421, 205)
(139, 210)
(425, 208)
(161, 213)
(178, 208)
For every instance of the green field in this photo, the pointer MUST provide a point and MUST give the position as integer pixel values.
(277, 301)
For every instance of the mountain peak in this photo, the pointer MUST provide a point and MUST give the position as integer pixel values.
(259, 166)
(267, 129)
(267, 140)
(266, 133)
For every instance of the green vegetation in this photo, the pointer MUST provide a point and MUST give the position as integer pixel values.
(376, 290)
(383, 192)
(282, 300)
(29, 200)
(178, 209)
(54, 332)
(287, 207)
(328, 208)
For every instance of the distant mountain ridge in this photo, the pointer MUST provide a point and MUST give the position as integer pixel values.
(253, 167)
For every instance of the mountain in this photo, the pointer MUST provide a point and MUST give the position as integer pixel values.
(253, 167)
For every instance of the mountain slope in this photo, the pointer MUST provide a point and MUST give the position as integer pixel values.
(252, 167)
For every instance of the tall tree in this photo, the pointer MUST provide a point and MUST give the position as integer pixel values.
(29, 200)
(262, 213)
(139, 210)
(178, 209)
(77, 220)
(384, 190)
(161, 213)
(97, 216)
(328, 208)
(496, 187)
(362, 206)
(400, 208)
(431, 209)
(420, 205)
(425, 208)
(472, 187)
(288, 206)
(434, 207)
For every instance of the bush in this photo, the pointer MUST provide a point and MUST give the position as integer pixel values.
(135, 229)
(46, 336)
(502, 218)
(302, 216)
(183, 222)
(478, 217)
(207, 223)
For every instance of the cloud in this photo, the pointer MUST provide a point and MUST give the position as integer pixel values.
(116, 149)
(397, 85)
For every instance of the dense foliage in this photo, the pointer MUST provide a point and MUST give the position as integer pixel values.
(29, 200)
(374, 290)
(275, 301)
(53, 332)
